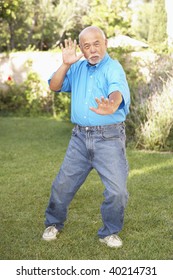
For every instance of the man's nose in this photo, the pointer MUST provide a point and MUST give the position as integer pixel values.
(92, 49)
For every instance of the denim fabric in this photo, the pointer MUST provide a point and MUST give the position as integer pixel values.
(101, 148)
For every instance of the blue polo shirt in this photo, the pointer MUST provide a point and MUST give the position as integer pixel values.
(86, 82)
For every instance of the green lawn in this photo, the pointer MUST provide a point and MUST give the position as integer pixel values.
(31, 151)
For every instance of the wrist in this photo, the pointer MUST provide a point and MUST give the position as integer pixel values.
(66, 66)
(116, 98)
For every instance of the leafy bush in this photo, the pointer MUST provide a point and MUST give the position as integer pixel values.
(62, 105)
(154, 132)
(12, 99)
(32, 97)
(144, 88)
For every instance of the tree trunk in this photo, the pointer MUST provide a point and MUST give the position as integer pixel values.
(11, 29)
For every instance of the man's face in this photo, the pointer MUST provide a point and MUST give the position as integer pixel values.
(93, 45)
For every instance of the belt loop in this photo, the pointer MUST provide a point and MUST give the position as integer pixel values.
(77, 127)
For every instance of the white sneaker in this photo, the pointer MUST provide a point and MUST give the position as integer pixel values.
(50, 233)
(112, 241)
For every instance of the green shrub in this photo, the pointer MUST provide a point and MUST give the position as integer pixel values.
(62, 105)
(143, 89)
(12, 99)
(32, 97)
(154, 132)
(37, 94)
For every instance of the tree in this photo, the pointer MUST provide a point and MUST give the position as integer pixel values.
(112, 16)
(141, 20)
(9, 11)
(69, 16)
(168, 4)
(158, 25)
(39, 23)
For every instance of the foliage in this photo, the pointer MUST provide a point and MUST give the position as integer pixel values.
(111, 16)
(145, 123)
(62, 105)
(12, 100)
(45, 23)
(157, 36)
(14, 24)
(155, 131)
(158, 87)
(70, 17)
(150, 24)
(32, 97)
(141, 21)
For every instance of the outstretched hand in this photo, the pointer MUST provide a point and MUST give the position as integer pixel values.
(105, 106)
(69, 55)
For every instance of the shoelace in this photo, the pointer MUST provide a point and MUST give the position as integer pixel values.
(50, 229)
(114, 236)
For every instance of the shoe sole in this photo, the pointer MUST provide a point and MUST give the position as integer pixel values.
(49, 239)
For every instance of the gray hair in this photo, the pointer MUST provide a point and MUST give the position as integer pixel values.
(91, 28)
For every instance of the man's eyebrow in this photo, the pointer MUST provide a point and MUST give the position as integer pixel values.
(95, 42)
(86, 44)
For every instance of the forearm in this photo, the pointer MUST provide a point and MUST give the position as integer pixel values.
(115, 98)
(58, 78)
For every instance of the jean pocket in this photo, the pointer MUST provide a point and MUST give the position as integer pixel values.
(111, 134)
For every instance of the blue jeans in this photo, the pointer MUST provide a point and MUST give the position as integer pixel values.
(101, 148)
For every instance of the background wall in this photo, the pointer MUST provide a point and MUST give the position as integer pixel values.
(16, 65)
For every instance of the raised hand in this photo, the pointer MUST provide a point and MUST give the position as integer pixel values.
(105, 106)
(69, 55)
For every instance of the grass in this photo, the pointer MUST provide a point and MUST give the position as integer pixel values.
(31, 151)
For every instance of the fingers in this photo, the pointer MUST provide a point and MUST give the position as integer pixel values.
(68, 43)
(105, 106)
(105, 101)
(102, 101)
(93, 109)
(98, 101)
